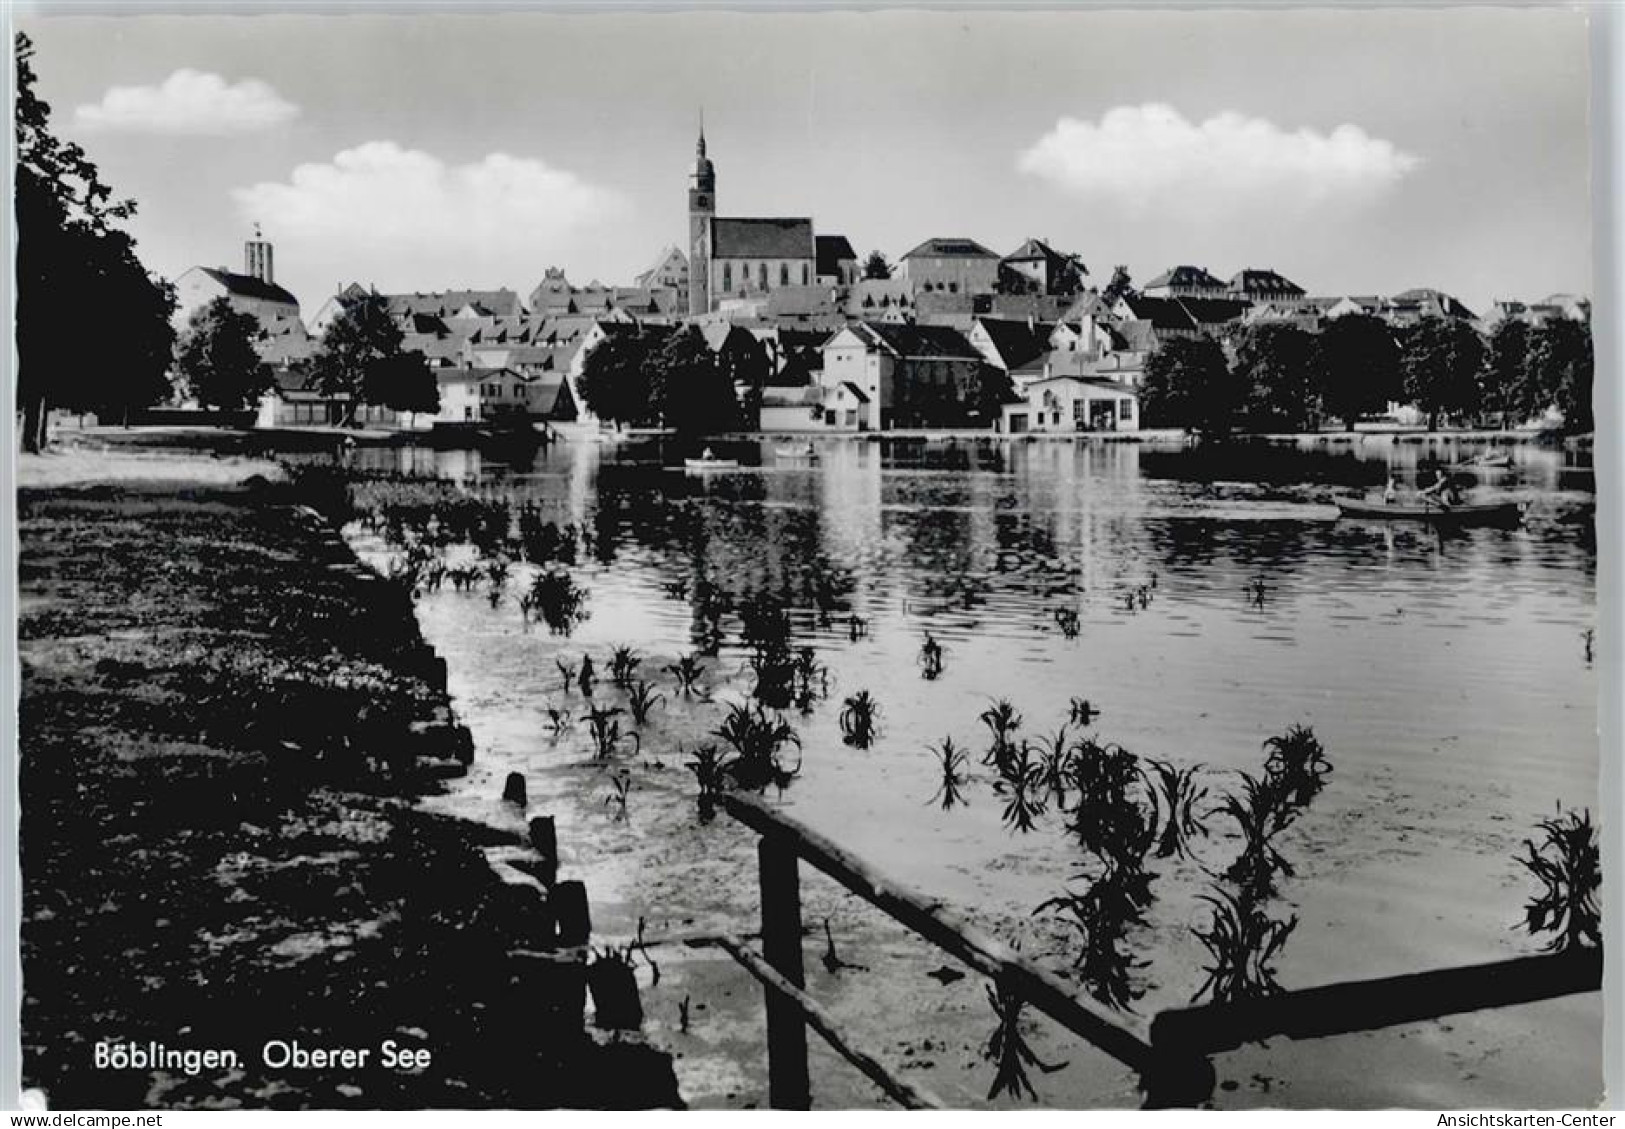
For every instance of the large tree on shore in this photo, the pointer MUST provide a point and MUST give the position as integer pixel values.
(217, 360)
(1440, 359)
(1562, 364)
(71, 257)
(361, 346)
(614, 382)
(689, 389)
(1507, 387)
(1189, 384)
(1274, 371)
(1356, 367)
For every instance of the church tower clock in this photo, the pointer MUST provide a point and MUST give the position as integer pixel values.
(702, 208)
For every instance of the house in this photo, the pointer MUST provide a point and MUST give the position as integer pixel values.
(1070, 404)
(476, 396)
(837, 263)
(669, 271)
(1007, 345)
(950, 265)
(1167, 316)
(1186, 282)
(1256, 285)
(803, 408)
(1411, 306)
(294, 402)
(901, 376)
(1037, 268)
(1554, 307)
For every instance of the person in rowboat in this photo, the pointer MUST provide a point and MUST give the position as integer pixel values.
(1390, 495)
(1442, 492)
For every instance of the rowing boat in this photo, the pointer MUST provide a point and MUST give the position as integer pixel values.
(1479, 512)
(711, 464)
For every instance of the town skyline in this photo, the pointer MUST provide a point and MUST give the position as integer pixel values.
(362, 165)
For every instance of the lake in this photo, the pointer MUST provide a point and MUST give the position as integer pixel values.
(1203, 600)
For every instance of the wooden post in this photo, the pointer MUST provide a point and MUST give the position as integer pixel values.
(544, 837)
(787, 1084)
(513, 789)
(569, 902)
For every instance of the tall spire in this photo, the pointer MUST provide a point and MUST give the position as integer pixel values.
(699, 149)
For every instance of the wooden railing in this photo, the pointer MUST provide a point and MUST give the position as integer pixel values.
(1173, 1064)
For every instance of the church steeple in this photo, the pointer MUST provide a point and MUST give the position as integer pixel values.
(702, 208)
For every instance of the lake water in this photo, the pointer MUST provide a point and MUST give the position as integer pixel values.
(1445, 672)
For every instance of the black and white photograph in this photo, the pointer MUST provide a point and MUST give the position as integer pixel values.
(726, 559)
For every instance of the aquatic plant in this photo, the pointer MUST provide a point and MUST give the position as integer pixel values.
(1111, 816)
(605, 730)
(567, 673)
(1002, 721)
(687, 670)
(1260, 816)
(860, 718)
(1068, 620)
(1296, 765)
(757, 739)
(497, 571)
(709, 764)
(930, 658)
(1102, 915)
(1175, 798)
(773, 676)
(809, 680)
(641, 699)
(623, 666)
(1080, 712)
(561, 601)
(676, 589)
(1055, 764)
(856, 627)
(1021, 784)
(1568, 866)
(620, 786)
(586, 679)
(1242, 941)
(1007, 1048)
(558, 721)
(951, 761)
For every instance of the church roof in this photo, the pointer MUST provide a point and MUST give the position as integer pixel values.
(247, 286)
(774, 238)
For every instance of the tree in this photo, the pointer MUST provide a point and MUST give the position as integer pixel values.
(1562, 364)
(1356, 367)
(1274, 372)
(614, 382)
(403, 382)
(1120, 286)
(1188, 384)
(1069, 276)
(1440, 359)
(71, 257)
(217, 359)
(362, 339)
(689, 391)
(1507, 385)
(876, 266)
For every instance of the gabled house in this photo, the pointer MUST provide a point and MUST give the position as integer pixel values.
(902, 376)
(1036, 267)
(669, 271)
(1411, 306)
(1069, 403)
(1008, 345)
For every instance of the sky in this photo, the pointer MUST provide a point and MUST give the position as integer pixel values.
(1355, 151)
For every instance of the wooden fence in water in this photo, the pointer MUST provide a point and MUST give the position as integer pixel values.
(1174, 1064)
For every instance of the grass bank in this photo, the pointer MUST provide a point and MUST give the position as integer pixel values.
(224, 723)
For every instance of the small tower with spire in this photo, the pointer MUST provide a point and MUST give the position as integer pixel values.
(702, 209)
(257, 258)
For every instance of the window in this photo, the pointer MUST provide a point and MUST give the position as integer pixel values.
(761, 275)
(1125, 409)
(806, 277)
(953, 288)
(727, 276)
(784, 274)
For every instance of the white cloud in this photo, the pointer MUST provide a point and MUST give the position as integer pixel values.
(1151, 157)
(189, 101)
(403, 218)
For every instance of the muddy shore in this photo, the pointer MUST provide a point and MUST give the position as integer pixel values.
(225, 723)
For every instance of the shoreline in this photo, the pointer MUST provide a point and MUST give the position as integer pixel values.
(226, 723)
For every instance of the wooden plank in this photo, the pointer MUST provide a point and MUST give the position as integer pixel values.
(905, 1093)
(946, 929)
(788, 1086)
(1366, 1005)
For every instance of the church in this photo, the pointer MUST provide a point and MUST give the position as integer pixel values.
(742, 258)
